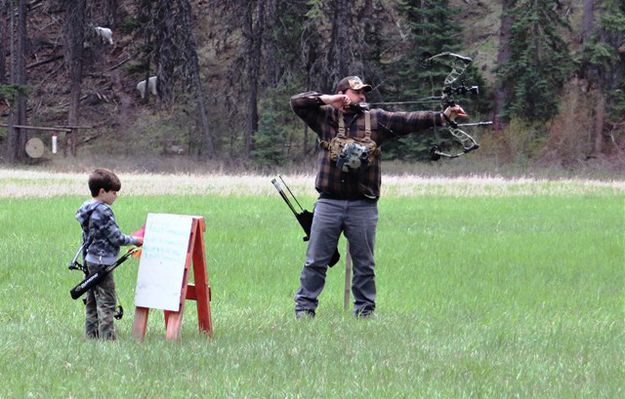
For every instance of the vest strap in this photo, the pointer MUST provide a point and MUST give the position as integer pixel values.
(341, 125)
(367, 125)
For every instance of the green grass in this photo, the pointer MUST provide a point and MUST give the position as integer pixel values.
(477, 297)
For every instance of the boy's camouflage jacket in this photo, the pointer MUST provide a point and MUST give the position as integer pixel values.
(101, 236)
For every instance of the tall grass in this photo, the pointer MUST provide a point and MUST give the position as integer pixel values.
(480, 296)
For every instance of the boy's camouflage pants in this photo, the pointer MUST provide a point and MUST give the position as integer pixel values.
(100, 307)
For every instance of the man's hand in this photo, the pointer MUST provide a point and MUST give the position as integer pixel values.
(338, 101)
(139, 240)
(453, 112)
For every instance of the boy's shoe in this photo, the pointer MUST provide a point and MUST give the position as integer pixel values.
(304, 314)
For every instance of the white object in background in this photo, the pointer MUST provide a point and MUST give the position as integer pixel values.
(34, 147)
(54, 142)
(152, 82)
(105, 33)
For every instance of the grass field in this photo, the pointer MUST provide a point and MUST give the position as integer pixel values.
(486, 288)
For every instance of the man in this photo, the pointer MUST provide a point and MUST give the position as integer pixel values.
(348, 181)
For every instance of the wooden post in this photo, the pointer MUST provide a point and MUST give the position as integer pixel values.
(348, 277)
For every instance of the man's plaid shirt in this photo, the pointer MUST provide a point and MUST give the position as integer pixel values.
(331, 182)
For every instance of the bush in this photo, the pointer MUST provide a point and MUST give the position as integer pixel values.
(569, 137)
(524, 139)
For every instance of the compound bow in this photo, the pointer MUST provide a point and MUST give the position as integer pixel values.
(458, 64)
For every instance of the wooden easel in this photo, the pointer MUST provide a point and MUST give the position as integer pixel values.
(199, 292)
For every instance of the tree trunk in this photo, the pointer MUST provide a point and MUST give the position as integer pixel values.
(4, 38)
(190, 55)
(13, 133)
(146, 9)
(599, 124)
(587, 71)
(166, 52)
(111, 13)
(588, 19)
(22, 40)
(74, 37)
(17, 116)
(502, 91)
(423, 17)
(592, 75)
(253, 33)
(308, 84)
(269, 44)
(339, 54)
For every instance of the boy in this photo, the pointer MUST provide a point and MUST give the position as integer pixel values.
(101, 239)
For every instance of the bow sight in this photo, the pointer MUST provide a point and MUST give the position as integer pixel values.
(462, 90)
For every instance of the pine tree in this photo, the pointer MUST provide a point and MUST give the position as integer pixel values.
(539, 61)
(603, 67)
(605, 52)
(430, 26)
(431, 31)
(272, 140)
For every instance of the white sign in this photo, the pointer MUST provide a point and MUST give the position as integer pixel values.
(163, 259)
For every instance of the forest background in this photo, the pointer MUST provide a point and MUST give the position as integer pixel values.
(550, 72)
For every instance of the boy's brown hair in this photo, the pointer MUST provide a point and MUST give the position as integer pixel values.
(103, 178)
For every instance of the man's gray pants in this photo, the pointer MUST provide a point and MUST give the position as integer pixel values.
(358, 220)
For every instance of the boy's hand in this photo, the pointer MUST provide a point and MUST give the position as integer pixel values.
(138, 240)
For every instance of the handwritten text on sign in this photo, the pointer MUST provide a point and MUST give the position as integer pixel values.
(163, 260)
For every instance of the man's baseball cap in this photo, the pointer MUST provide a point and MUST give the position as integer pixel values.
(352, 82)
